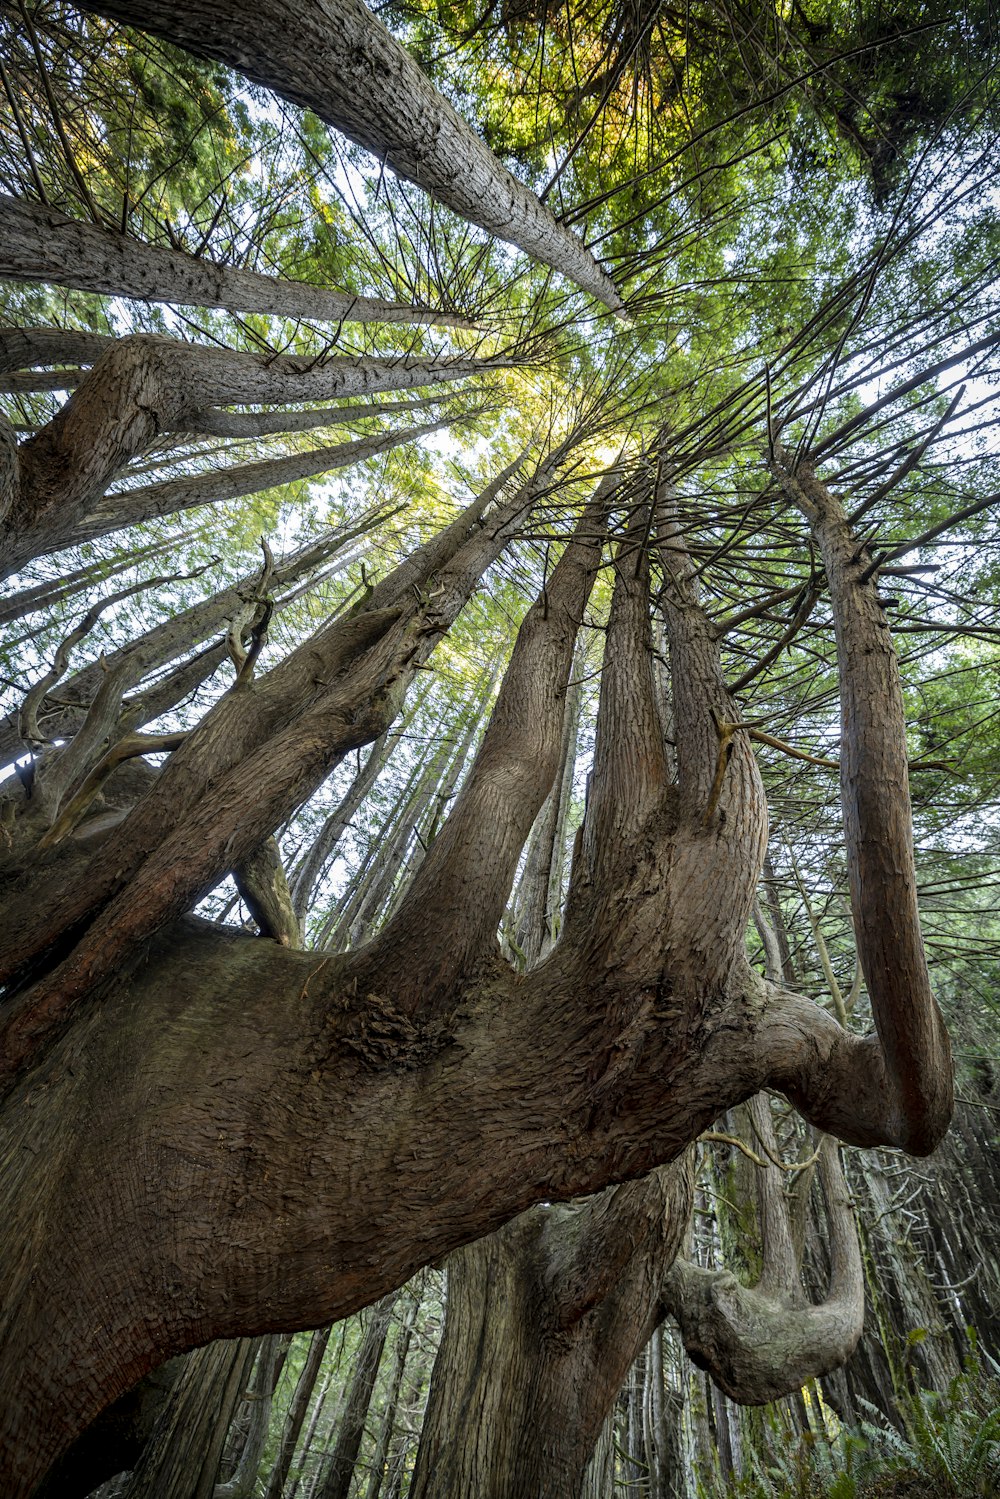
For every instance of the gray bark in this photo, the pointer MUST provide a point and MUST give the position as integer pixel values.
(310, 868)
(38, 243)
(130, 507)
(61, 715)
(336, 58)
(145, 385)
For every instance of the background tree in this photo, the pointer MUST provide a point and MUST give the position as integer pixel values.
(727, 458)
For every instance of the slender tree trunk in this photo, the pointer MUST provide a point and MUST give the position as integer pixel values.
(182, 1458)
(391, 1403)
(335, 1482)
(296, 1413)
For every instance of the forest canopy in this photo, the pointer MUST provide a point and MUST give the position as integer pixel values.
(498, 512)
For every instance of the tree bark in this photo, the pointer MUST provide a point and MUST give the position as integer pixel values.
(335, 1482)
(38, 243)
(543, 1321)
(192, 1114)
(145, 385)
(296, 1413)
(336, 58)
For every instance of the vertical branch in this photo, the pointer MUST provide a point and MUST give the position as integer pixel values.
(721, 803)
(9, 468)
(630, 769)
(450, 914)
(878, 831)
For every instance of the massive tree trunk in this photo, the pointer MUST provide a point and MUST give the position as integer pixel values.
(543, 1321)
(336, 58)
(192, 1115)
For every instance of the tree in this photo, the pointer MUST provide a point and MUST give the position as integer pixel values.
(191, 1110)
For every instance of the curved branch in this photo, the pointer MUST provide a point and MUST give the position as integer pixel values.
(878, 834)
(336, 58)
(760, 1344)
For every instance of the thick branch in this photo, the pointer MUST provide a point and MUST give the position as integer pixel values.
(257, 755)
(450, 914)
(25, 348)
(37, 243)
(759, 1344)
(146, 385)
(630, 767)
(336, 58)
(878, 832)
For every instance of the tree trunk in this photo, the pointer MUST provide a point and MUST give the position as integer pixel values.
(182, 1458)
(296, 1413)
(191, 1114)
(335, 1481)
(37, 243)
(388, 1419)
(370, 88)
(543, 1322)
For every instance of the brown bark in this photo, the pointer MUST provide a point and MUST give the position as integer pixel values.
(181, 1460)
(463, 884)
(543, 1320)
(193, 1113)
(296, 1413)
(902, 1077)
(249, 764)
(765, 1342)
(335, 1482)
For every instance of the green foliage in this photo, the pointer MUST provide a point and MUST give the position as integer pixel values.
(949, 1448)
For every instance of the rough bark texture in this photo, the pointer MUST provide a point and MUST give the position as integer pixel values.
(216, 1118)
(336, 58)
(763, 1343)
(544, 1319)
(37, 243)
